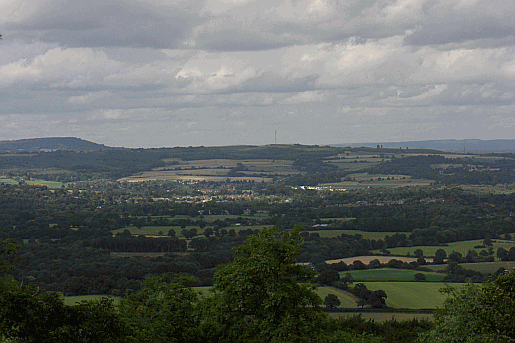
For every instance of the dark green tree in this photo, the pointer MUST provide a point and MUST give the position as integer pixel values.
(264, 295)
(440, 255)
(163, 311)
(331, 301)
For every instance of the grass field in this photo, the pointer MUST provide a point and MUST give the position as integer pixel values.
(153, 231)
(388, 274)
(412, 295)
(366, 235)
(383, 316)
(347, 299)
(482, 267)
(136, 254)
(367, 259)
(77, 299)
(49, 184)
(461, 247)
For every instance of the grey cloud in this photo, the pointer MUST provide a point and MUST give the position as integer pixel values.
(273, 82)
(461, 31)
(235, 40)
(116, 24)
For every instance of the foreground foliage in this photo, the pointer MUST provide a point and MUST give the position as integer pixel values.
(262, 296)
(477, 314)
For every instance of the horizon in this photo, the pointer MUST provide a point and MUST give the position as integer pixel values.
(345, 144)
(145, 74)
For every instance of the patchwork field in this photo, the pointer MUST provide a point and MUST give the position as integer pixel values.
(217, 170)
(365, 180)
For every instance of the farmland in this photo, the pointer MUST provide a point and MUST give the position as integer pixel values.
(482, 267)
(112, 219)
(413, 295)
(462, 247)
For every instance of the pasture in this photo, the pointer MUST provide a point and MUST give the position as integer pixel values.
(74, 300)
(462, 247)
(482, 267)
(154, 231)
(49, 184)
(367, 259)
(365, 180)
(412, 295)
(383, 316)
(389, 274)
(264, 170)
(364, 234)
(347, 299)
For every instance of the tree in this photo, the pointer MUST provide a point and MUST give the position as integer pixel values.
(502, 254)
(331, 301)
(440, 255)
(418, 253)
(419, 277)
(476, 313)
(208, 232)
(328, 277)
(163, 311)
(264, 294)
(488, 240)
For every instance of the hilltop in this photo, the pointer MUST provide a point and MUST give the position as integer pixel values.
(51, 144)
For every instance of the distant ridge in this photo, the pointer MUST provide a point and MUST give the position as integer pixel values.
(463, 145)
(51, 144)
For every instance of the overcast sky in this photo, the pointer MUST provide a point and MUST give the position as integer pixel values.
(153, 73)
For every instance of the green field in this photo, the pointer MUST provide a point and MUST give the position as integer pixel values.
(154, 230)
(366, 235)
(49, 184)
(77, 299)
(412, 295)
(383, 316)
(461, 247)
(482, 267)
(365, 180)
(347, 299)
(390, 274)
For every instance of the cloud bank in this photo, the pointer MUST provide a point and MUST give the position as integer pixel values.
(141, 73)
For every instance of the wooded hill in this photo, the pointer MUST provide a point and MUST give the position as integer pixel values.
(50, 144)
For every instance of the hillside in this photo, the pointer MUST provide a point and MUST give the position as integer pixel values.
(51, 144)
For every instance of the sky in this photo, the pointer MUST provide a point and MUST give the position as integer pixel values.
(162, 73)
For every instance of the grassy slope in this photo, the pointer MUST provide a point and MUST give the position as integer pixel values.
(347, 300)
